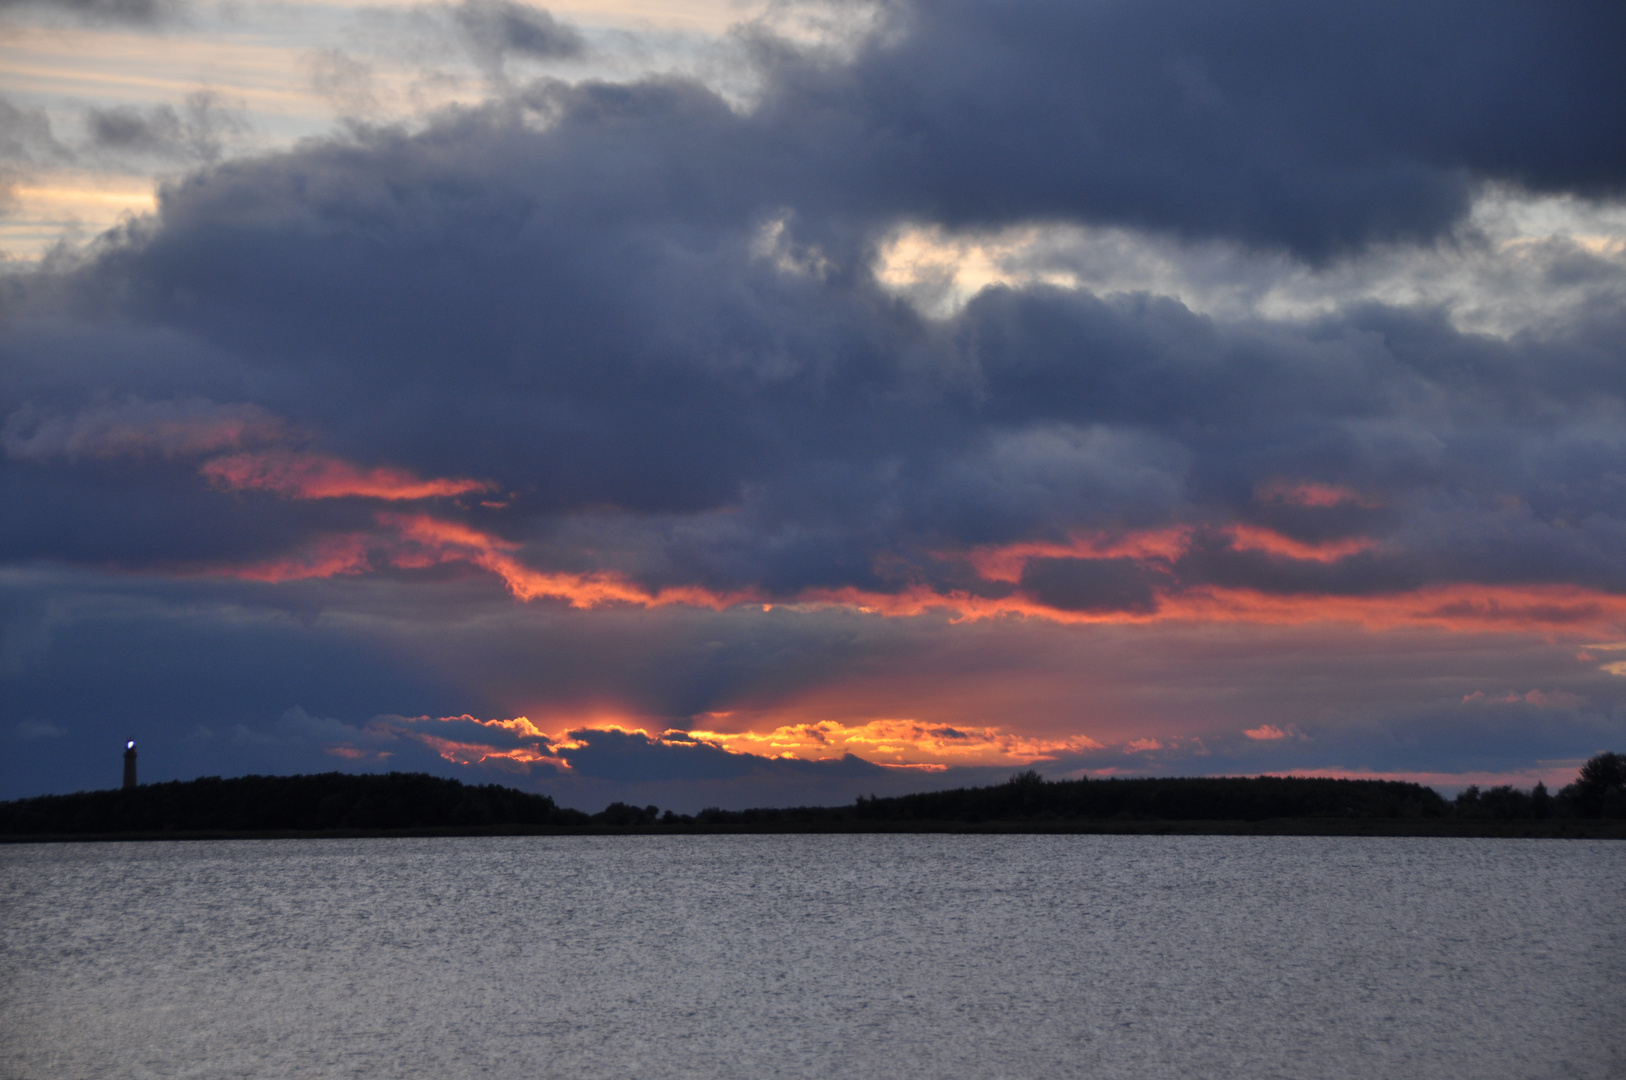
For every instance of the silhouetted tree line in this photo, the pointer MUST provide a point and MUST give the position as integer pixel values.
(278, 803)
(1028, 797)
(332, 801)
(1599, 792)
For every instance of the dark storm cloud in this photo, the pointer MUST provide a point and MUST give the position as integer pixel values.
(648, 320)
(138, 429)
(668, 371)
(1091, 584)
(1314, 127)
(151, 518)
(203, 678)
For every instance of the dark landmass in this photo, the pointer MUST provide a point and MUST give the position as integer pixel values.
(284, 804)
(416, 804)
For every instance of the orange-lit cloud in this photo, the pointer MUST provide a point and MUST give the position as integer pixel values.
(478, 753)
(1460, 607)
(890, 742)
(519, 725)
(898, 742)
(330, 556)
(434, 540)
(462, 751)
(300, 475)
(472, 753)
(1254, 538)
(1266, 732)
(1004, 562)
(421, 540)
(417, 541)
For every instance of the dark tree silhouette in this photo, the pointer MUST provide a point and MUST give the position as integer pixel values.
(1600, 790)
(285, 803)
(1541, 803)
(406, 801)
(620, 813)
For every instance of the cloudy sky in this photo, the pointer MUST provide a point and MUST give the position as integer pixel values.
(697, 403)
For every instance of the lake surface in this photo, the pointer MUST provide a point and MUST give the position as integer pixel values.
(830, 957)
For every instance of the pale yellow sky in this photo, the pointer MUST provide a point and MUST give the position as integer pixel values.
(264, 64)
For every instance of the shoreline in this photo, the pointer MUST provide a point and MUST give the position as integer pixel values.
(1489, 829)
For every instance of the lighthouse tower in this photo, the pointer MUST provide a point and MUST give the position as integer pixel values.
(129, 763)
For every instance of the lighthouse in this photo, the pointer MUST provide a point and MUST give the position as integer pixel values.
(129, 763)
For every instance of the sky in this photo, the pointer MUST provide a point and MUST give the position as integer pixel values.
(716, 404)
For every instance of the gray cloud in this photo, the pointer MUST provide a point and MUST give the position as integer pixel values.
(497, 30)
(582, 314)
(102, 11)
(26, 137)
(1262, 120)
(344, 81)
(136, 428)
(1099, 585)
(649, 325)
(26, 142)
(195, 132)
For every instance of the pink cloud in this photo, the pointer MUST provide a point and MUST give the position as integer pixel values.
(314, 476)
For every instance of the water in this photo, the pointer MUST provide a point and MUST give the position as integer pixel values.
(830, 957)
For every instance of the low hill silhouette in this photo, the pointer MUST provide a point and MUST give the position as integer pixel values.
(1029, 797)
(329, 803)
(312, 803)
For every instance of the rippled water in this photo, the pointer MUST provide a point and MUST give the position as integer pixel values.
(815, 956)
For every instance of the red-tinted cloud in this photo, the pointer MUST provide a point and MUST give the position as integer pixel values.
(421, 540)
(896, 743)
(315, 476)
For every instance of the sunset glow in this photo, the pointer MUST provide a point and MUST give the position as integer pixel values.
(312, 476)
(418, 541)
(900, 742)
(703, 405)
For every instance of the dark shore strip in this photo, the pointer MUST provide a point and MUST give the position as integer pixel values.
(1573, 829)
(338, 805)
